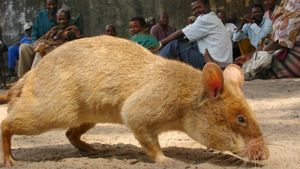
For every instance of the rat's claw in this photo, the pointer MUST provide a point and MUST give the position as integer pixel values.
(8, 161)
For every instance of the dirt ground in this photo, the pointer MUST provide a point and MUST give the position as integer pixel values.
(275, 102)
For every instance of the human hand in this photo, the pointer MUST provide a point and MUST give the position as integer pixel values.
(242, 59)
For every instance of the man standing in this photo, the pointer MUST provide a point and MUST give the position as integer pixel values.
(209, 33)
(44, 21)
(162, 29)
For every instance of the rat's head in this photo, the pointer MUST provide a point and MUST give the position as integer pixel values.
(224, 120)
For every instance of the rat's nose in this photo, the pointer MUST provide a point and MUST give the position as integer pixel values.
(257, 150)
(265, 155)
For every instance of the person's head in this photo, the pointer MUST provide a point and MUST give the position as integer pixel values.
(231, 18)
(269, 4)
(150, 21)
(110, 30)
(163, 19)
(51, 6)
(221, 14)
(136, 25)
(257, 13)
(200, 7)
(27, 28)
(63, 17)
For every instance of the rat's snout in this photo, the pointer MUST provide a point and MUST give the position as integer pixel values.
(263, 154)
(257, 150)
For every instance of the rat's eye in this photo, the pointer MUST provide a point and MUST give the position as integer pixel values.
(241, 119)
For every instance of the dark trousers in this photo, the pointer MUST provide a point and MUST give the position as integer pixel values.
(187, 52)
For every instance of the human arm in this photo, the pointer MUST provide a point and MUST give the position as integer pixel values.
(263, 31)
(241, 31)
(272, 46)
(171, 37)
(72, 32)
(240, 34)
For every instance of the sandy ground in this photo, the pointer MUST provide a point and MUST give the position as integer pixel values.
(275, 102)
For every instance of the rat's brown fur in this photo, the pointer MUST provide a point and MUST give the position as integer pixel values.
(112, 80)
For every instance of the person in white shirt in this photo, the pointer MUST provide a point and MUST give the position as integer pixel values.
(254, 26)
(209, 33)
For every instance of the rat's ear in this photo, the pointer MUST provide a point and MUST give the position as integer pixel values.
(234, 74)
(212, 79)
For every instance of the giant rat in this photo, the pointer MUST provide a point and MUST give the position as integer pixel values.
(112, 80)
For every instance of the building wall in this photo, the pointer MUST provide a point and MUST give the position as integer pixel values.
(97, 13)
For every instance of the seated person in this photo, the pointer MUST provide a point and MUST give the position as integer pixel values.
(13, 50)
(162, 29)
(44, 21)
(110, 30)
(286, 39)
(255, 27)
(209, 33)
(137, 28)
(56, 36)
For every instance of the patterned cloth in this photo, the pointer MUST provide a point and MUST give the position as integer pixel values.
(286, 31)
(290, 66)
(286, 23)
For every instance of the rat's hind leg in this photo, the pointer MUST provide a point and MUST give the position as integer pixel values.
(8, 159)
(74, 134)
(18, 124)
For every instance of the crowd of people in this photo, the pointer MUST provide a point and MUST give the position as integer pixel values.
(207, 37)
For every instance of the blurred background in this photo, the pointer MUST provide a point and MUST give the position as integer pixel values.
(95, 14)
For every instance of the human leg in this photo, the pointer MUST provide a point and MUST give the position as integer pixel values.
(190, 54)
(36, 60)
(170, 51)
(187, 52)
(13, 54)
(26, 56)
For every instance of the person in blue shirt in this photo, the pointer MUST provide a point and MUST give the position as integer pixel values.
(44, 21)
(254, 27)
(13, 50)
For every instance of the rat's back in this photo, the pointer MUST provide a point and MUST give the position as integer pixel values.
(95, 76)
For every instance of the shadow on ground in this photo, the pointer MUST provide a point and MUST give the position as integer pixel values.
(129, 152)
